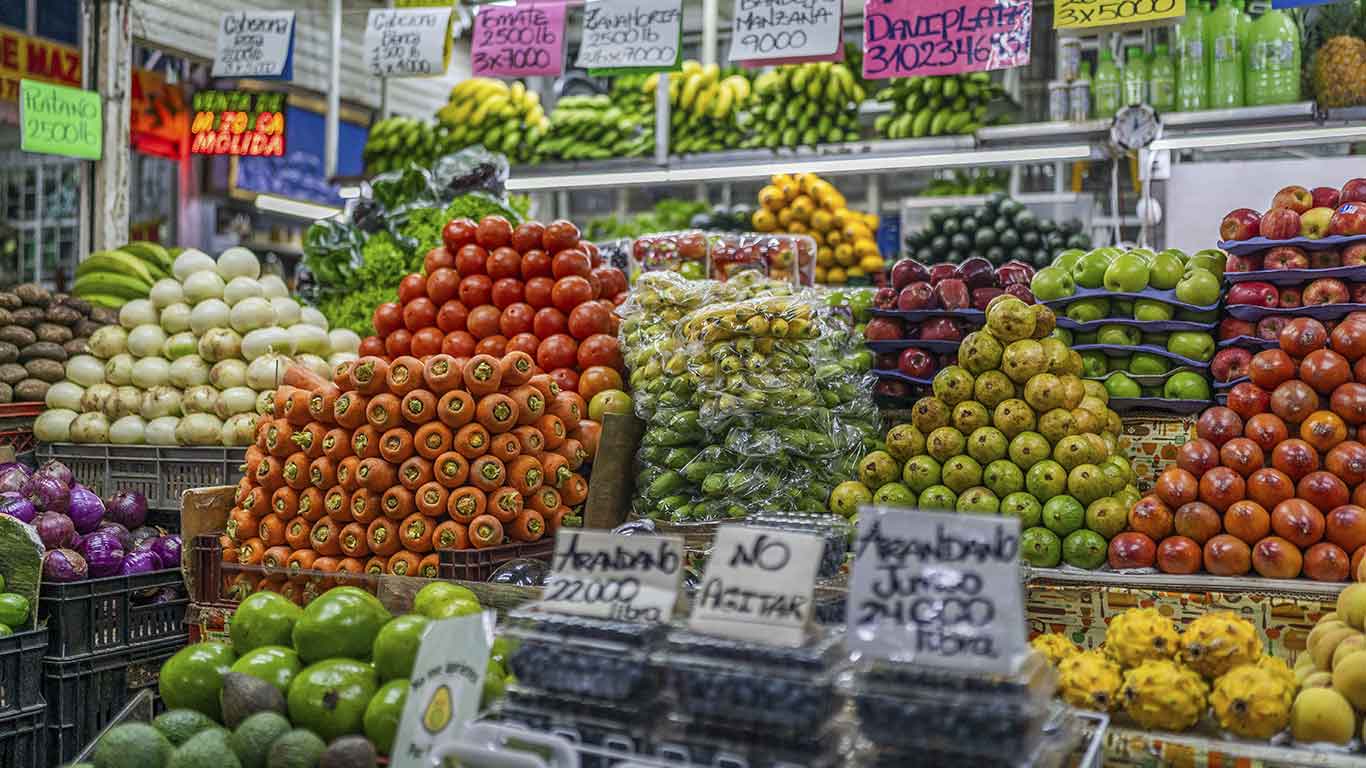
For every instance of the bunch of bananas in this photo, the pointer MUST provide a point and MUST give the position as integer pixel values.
(944, 105)
(705, 104)
(807, 103)
(806, 204)
(396, 141)
(593, 128)
(503, 118)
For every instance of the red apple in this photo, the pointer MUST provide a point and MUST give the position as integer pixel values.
(1354, 255)
(1286, 257)
(883, 329)
(1231, 328)
(1325, 258)
(1326, 290)
(1230, 363)
(1021, 292)
(908, 271)
(916, 363)
(953, 294)
(941, 329)
(916, 296)
(1132, 550)
(1240, 224)
(885, 298)
(1279, 224)
(1324, 197)
(1314, 222)
(981, 297)
(939, 272)
(1289, 296)
(1269, 328)
(1293, 197)
(1354, 191)
(1247, 400)
(1257, 294)
(1250, 262)
(1349, 219)
(1358, 292)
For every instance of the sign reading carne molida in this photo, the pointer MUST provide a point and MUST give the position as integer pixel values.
(240, 123)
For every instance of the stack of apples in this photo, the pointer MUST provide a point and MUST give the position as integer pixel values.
(1276, 480)
(1300, 212)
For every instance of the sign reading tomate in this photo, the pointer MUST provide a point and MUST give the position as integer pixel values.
(241, 123)
(30, 58)
(905, 38)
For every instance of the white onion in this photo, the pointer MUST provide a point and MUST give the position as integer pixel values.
(238, 262)
(313, 317)
(137, 312)
(228, 373)
(85, 370)
(160, 401)
(95, 395)
(209, 314)
(108, 341)
(146, 340)
(90, 428)
(202, 286)
(166, 292)
(126, 401)
(65, 395)
(251, 313)
(189, 371)
(274, 286)
(201, 399)
(235, 400)
(344, 340)
(220, 344)
(151, 372)
(239, 429)
(337, 358)
(199, 429)
(161, 430)
(286, 310)
(119, 370)
(241, 288)
(263, 341)
(129, 430)
(267, 371)
(265, 402)
(176, 318)
(315, 364)
(190, 261)
(179, 345)
(309, 338)
(54, 425)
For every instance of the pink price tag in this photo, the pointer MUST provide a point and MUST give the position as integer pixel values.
(518, 41)
(904, 38)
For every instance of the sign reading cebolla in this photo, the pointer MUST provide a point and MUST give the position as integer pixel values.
(630, 33)
(937, 588)
(407, 42)
(611, 576)
(758, 585)
(256, 44)
(778, 29)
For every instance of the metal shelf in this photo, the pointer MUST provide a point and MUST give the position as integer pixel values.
(1196, 582)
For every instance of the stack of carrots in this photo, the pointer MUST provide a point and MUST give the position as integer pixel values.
(377, 469)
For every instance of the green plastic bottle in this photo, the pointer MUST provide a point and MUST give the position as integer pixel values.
(1223, 56)
(1135, 76)
(1161, 79)
(1192, 82)
(1272, 74)
(1106, 91)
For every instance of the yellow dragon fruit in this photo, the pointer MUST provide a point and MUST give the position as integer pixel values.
(1217, 642)
(1162, 695)
(1089, 680)
(1141, 634)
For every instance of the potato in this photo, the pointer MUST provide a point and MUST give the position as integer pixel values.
(104, 315)
(81, 306)
(50, 371)
(77, 346)
(57, 334)
(13, 373)
(17, 335)
(10, 301)
(86, 328)
(31, 391)
(42, 349)
(8, 352)
(7, 393)
(29, 317)
(33, 294)
(63, 315)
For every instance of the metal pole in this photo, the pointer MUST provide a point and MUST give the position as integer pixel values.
(710, 10)
(333, 94)
(662, 117)
(113, 69)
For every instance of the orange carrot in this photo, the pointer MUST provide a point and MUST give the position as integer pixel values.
(432, 439)
(337, 444)
(365, 506)
(262, 425)
(555, 520)
(569, 407)
(240, 586)
(414, 472)
(383, 536)
(309, 439)
(311, 502)
(396, 445)
(485, 531)
(455, 409)
(296, 408)
(531, 440)
(516, 368)
(450, 535)
(451, 469)
(487, 473)
(397, 503)
(505, 447)
(241, 525)
(441, 374)
(278, 442)
(268, 473)
(573, 451)
(383, 412)
(284, 501)
(429, 567)
(322, 473)
(466, 503)
(365, 442)
(544, 500)
(497, 413)
(336, 504)
(251, 551)
(472, 441)
(229, 551)
(258, 501)
(505, 504)
(403, 564)
(552, 428)
(295, 470)
(341, 375)
(280, 398)
(525, 474)
(574, 490)
(349, 410)
(354, 542)
(418, 407)
(298, 376)
(292, 592)
(301, 560)
(253, 457)
(351, 566)
(369, 374)
(431, 499)
(324, 537)
(276, 556)
(244, 487)
(529, 526)
(405, 375)
(346, 473)
(530, 404)
(482, 375)
(322, 404)
(296, 533)
(376, 475)
(546, 386)
(416, 531)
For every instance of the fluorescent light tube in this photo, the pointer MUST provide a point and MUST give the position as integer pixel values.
(299, 209)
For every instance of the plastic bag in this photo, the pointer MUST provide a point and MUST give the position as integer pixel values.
(332, 250)
(469, 170)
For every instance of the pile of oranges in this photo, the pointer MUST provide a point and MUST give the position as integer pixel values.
(806, 204)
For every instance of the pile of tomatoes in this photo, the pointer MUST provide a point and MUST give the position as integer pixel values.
(492, 288)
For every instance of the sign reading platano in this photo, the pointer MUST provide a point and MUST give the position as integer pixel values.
(240, 123)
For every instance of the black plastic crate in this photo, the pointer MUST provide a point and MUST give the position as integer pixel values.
(22, 742)
(114, 613)
(479, 564)
(21, 671)
(84, 696)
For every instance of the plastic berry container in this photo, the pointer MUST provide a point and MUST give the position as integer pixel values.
(833, 530)
(591, 658)
(683, 742)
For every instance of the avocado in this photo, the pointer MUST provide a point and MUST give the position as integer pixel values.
(348, 752)
(132, 745)
(178, 725)
(245, 695)
(206, 749)
(252, 739)
(296, 749)
(984, 237)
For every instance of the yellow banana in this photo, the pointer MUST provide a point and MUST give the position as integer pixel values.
(651, 83)
(740, 85)
(691, 67)
(725, 100)
(711, 72)
(690, 90)
(704, 99)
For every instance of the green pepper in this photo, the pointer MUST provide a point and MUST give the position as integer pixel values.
(697, 471)
(667, 483)
(646, 477)
(714, 483)
(678, 458)
(671, 505)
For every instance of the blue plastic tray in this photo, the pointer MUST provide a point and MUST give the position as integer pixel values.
(1167, 297)
(933, 345)
(1124, 405)
(1221, 386)
(1253, 313)
(1248, 342)
(1149, 379)
(1296, 276)
(1111, 350)
(885, 374)
(1148, 326)
(966, 315)
(1242, 247)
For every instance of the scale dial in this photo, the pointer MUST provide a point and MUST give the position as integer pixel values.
(1135, 127)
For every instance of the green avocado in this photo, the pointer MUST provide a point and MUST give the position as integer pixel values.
(340, 623)
(383, 714)
(132, 744)
(265, 618)
(193, 678)
(330, 697)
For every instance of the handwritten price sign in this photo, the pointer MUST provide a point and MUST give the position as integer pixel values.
(1084, 14)
(519, 41)
(765, 30)
(630, 34)
(608, 576)
(904, 38)
(407, 42)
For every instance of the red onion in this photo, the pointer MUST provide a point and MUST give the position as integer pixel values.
(85, 509)
(128, 508)
(47, 493)
(125, 538)
(13, 476)
(139, 562)
(167, 549)
(103, 553)
(14, 504)
(58, 471)
(55, 529)
(64, 565)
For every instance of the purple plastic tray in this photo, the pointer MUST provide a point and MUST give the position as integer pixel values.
(1149, 379)
(1253, 313)
(1221, 386)
(1123, 405)
(1167, 297)
(966, 315)
(1297, 276)
(933, 345)
(1118, 351)
(1248, 342)
(899, 376)
(1241, 247)
(1147, 326)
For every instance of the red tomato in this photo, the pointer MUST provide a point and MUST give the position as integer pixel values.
(527, 236)
(419, 313)
(458, 344)
(475, 290)
(538, 291)
(495, 345)
(451, 316)
(587, 319)
(493, 232)
(600, 350)
(557, 351)
(569, 292)
(371, 346)
(437, 258)
(570, 262)
(594, 255)
(566, 379)
(503, 262)
(411, 287)
(516, 318)
(388, 317)
(595, 285)
(442, 284)
(612, 279)
(457, 234)
(559, 235)
(620, 298)
(523, 342)
(469, 260)
(597, 378)
(536, 263)
(548, 322)
(398, 343)
(506, 291)
(427, 341)
(483, 321)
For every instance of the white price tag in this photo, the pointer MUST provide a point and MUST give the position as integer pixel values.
(407, 42)
(776, 29)
(936, 588)
(254, 44)
(630, 33)
(447, 681)
(758, 585)
(610, 576)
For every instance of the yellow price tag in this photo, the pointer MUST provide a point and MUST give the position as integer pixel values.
(1087, 14)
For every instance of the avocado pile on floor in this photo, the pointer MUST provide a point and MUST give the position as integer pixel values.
(318, 687)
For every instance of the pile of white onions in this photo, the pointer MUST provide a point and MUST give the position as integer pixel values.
(194, 363)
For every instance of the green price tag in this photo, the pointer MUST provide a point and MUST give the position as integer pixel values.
(57, 120)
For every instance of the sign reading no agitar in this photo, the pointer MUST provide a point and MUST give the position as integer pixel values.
(630, 33)
(57, 120)
(1083, 14)
(255, 44)
(905, 38)
(408, 42)
(937, 588)
(610, 576)
(518, 41)
(758, 585)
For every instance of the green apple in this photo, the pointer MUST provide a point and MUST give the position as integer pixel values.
(1126, 274)
(608, 401)
(1186, 385)
(1052, 283)
(1065, 259)
(1093, 363)
(1086, 310)
(1148, 364)
(1195, 345)
(1177, 252)
(1145, 253)
(1062, 334)
(1165, 271)
(1089, 271)
(1148, 309)
(1118, 335)
(1210, 259)
(1120, 385)
(1121, 307)
(1120, 363)
(1198, 287)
